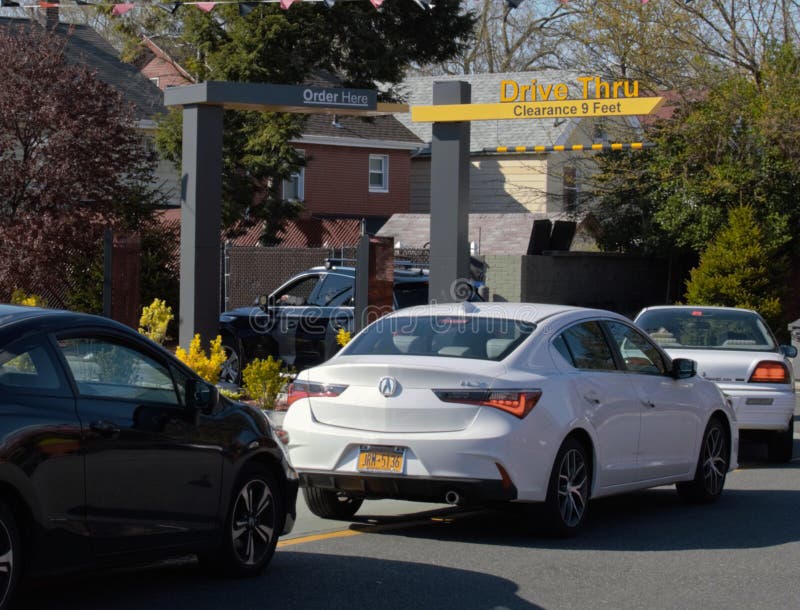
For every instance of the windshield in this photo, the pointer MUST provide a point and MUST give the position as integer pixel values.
(451, 336)
(699, 328)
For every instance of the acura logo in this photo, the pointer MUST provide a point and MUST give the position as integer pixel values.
(387, 386)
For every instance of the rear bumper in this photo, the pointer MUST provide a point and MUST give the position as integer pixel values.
(417, 489)
(761, 408)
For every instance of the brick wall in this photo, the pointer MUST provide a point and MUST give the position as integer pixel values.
(337, 181)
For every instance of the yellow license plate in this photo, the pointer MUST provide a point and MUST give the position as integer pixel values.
(381, 459)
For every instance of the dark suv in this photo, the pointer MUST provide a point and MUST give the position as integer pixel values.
(111, 448)
(299, 321)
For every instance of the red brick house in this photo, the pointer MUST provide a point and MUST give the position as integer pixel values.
(163, 71)
(355, 168)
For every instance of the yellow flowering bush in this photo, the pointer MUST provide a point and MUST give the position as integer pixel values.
(19, 297)
(263, 380)
(155, 319)
(208, 366)
(343, 337)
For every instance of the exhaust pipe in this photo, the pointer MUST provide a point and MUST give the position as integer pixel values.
(452, 497)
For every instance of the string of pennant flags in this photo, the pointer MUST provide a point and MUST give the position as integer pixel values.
(245, 6)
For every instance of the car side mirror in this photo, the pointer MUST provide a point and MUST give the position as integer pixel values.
(683, 368)
(790, 351)
(200, 395)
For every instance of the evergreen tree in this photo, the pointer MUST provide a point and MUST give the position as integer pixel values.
(738, 269)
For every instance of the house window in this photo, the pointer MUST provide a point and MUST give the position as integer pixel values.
(570, 188)
(149, 144)
(156, 81)
(294, 186)
(379, 173)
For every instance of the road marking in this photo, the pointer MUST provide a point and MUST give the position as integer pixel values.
(367, 528)
(317, 537)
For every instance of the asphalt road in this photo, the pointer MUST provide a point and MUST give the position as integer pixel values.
(642, 550)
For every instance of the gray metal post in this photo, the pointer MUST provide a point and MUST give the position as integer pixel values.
(450, 164)
(200, 222)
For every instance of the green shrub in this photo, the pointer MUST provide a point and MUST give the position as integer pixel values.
(263, 380)
(739, 270)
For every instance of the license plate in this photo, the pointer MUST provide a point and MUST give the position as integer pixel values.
(381, 459)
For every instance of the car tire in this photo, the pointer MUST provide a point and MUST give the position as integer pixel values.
(231, 371)
(712, 466)
(780, 446)
(10, 556)
(567, 502)
(256, 517)
(330, 504)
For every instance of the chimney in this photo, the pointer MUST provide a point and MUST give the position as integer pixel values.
(47, 16)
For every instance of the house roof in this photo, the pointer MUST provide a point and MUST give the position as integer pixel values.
(485, 89)
(299, 233)
(386, 129)
(87, 48)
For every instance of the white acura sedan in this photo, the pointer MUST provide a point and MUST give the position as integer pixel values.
(484, 402)
(735, 349)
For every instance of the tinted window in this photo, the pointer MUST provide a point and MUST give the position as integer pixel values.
(108, 369)
(699, 328)
(335, 291)
(639, 355)
(300, 292)
(449, 336)
(588, 347)
(27, 365)
(562, 348)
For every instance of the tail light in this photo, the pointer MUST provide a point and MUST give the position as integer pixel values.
(769, 371)
(310, 389)
(517, 402)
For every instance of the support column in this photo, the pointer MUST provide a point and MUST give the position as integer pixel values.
(450, 165)
(201, 208)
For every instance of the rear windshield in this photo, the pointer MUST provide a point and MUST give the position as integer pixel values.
(698, 328)
(450, 336)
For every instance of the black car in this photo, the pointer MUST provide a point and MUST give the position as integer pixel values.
(112, 450)
(299, 321)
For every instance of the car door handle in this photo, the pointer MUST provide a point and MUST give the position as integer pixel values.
(104, 428)
(647, 403)
(592, 398)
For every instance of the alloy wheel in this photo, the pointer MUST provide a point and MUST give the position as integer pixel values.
(230, 368)
(6, 562)
(253, 523)
(572, 487)
(714, 461)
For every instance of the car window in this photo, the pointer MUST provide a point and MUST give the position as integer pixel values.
(703, 328)
(638, 354)
(409, 294)
(448, 336)
(336, 290)
(588, 348)
(300, 292)
(28, 365)
(105, 368)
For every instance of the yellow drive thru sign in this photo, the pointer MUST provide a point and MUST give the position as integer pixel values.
(536, 110)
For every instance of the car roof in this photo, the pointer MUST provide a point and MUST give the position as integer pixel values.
(19, 318)
(695, 307)
(400, 274)
(529, 312)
